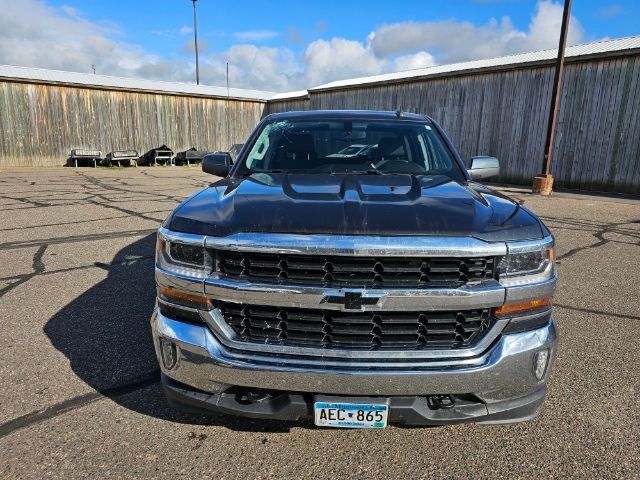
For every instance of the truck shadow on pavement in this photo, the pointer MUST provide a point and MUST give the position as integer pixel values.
(106, 335)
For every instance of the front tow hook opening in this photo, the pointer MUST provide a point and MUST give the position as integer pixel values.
(248, 397)
(436, 402)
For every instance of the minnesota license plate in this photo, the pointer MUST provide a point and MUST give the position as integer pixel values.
(350, 415)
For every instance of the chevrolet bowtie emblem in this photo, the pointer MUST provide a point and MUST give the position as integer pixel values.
(351, 300)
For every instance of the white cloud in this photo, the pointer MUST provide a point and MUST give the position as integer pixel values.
(338, 58)
(544, 29)
(460, 41)
(252, 66)
(255, 35)
(189, 47)
(34, 34)
(413, 61)
(70, 11)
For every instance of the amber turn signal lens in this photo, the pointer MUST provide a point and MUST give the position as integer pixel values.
(551, 253)
(160, 244)
(537, 304)
(184, 298)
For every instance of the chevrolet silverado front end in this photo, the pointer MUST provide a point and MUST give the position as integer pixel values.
(354, 290)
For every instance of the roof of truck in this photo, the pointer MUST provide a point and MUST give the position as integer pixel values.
(348, 114)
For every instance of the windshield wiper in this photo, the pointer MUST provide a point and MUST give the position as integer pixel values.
(370, 171)
(355, 172)
(248, 174)
(375, 171)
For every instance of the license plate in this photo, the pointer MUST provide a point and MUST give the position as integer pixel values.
(350, 415)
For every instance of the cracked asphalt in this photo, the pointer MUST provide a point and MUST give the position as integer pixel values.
(80, 392)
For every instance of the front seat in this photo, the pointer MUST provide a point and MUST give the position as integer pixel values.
(388, 148)
(295, 151)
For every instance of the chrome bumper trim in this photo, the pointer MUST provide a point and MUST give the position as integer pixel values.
(185, 283)
(487, 294)
(530, 245)
(204, 364)
(531, 291)
(357, 245)
(188, 238)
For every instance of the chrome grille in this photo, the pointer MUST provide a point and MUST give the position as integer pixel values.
(326, 328)
(411, 272)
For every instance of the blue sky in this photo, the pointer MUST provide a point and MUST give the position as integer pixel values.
(286, 44)
(219, 20)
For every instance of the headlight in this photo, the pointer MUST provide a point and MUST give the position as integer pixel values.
(186, 254)
(526, 267)
(182, 258)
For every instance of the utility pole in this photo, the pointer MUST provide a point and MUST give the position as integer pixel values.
(228, 80)
(543, 183)
(227, 110)
(195, 38)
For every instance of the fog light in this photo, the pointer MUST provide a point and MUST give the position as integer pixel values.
(540, 361)
(169, 353)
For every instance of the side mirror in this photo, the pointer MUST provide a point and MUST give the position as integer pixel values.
(484, 167)
(216, 163)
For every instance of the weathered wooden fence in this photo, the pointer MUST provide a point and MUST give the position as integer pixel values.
(503, 112)
(291, 104)
(40, 123)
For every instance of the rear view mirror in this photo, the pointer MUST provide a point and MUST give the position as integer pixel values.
(484, 167)
(217, 163)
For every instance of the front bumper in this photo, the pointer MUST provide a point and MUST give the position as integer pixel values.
(501, 378)
(407, 410)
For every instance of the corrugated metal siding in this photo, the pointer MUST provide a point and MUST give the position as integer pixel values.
(40, 124)
(504, 113)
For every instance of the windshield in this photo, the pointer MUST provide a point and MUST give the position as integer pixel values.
(362, 147)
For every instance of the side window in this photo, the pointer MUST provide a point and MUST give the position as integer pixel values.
(426, 155)
(436, 157)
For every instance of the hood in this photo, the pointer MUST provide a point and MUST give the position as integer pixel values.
(354, 205)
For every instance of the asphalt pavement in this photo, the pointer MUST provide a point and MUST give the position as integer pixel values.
(80, 393)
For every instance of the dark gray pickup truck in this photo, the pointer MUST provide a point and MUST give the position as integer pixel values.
(354, 286)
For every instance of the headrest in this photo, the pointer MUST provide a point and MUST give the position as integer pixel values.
(299, 143)
(388, 145)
